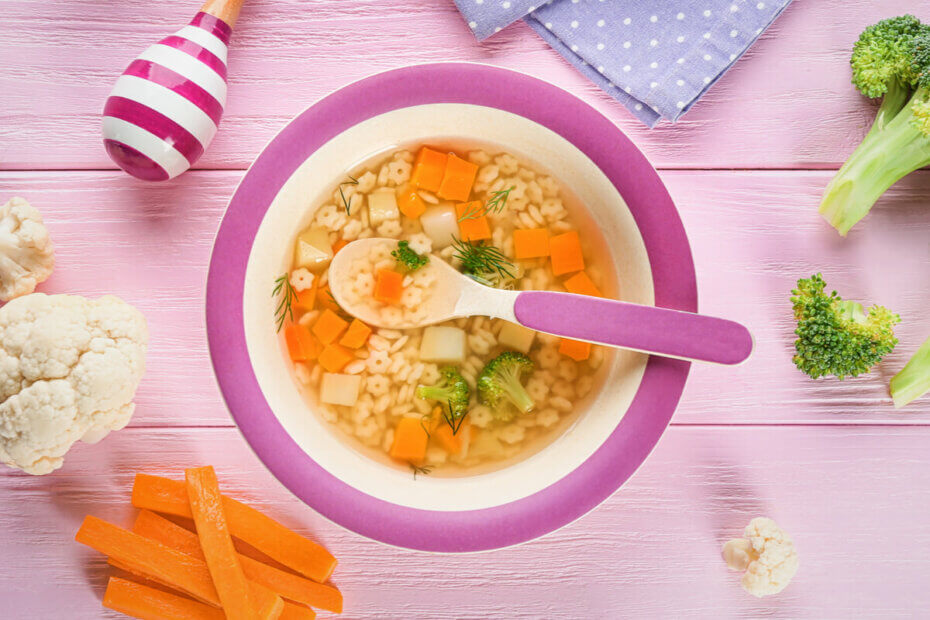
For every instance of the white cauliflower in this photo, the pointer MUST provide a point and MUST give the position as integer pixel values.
(766, 554)
(26, 254)
(69, 368)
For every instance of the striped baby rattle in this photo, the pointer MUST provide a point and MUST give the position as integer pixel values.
(165, 108)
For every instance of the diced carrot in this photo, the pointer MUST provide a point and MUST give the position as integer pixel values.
(329, 327)
(203, 491)
(450, 442)
(458, 179)
(306, 299)
(575, 349)
(428, 169)
(140, 601)
(293, 611)
(325, 300)
(334, 358)
(389, 286)
(245, 523)
(581, 284)
(531, 243)
(286, 584)
(410, 439)
(301, 345)
(565, 253)
(340, 243)
(474, 227)
(410, 203)
(356, 336)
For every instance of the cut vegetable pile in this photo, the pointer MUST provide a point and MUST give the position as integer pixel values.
(206, 575)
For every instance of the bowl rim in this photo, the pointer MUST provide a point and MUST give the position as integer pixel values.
(555, 506)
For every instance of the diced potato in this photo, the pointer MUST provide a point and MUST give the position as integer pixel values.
(516, 337)
(440, 223)
(313, 249)
(443, 345)
(339, 389)
(382, 206)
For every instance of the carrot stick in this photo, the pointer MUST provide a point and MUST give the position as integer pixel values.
(293, 611)
(139, 601)
(288, 585)
(262, 532)
(163, 565)
(203, 491)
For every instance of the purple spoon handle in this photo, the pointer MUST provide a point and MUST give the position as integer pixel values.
(670, 333)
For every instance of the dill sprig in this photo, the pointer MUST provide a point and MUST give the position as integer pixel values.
(454, 423)
(346, 203)
(479, 260)
(425, 471)
(285, 308)
(494, 204)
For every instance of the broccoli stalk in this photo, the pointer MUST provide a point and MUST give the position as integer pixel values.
(890, 59)
(407, 258)
(914, 379)
(452, 391)
(500, 384)
(837, 337)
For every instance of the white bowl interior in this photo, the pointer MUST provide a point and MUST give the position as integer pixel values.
(309, 187)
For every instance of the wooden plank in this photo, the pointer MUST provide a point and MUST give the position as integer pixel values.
(854, 500)
(152, 245)
(787, 104)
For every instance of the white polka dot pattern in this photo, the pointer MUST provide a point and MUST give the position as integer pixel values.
(662, 55)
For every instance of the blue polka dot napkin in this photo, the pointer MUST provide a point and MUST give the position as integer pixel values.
(655, 57)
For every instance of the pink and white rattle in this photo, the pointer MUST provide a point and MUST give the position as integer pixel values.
(166, 106)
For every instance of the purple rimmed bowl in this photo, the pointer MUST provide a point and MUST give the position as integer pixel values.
(276, 199)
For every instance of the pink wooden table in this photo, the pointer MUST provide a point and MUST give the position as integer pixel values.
(832, 462)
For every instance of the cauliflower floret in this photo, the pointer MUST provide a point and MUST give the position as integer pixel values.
(69, 368)
(766, 554)
(26, 253)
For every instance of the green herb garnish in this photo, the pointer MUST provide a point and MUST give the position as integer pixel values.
(407, 258)
(420, 470)
(352, 181)
(495, 204)
(482, 262)
(285, 308)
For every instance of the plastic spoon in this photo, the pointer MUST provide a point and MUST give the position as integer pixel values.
(659, 331)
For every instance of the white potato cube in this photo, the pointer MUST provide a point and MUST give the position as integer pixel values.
(440, 223)
(339, 389)
(443, 345)
(516, 337)
(382, 206)
(313, 250)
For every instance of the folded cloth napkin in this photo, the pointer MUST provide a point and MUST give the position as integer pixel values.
(655, 57)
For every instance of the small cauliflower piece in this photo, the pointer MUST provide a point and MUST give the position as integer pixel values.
(766, 556)
(69, 368)
(26, 253)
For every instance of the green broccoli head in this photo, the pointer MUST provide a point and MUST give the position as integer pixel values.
(837, 337)
(407, 258)
(501, 383)
(882, 57)
(452, 391)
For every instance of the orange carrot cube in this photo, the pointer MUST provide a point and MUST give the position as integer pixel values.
(325, 300)
(450, 442)
(329, 327)
(458, 179)
(301, 345)
(356, 336)
(428, 169)
(340, 243)
(389, 286)
(335, 357)
(410, 203)
(410, 440)
(531, 243)
(474, 227)
(306, 299)
(581, 284)
(565, 253)
(575, 349)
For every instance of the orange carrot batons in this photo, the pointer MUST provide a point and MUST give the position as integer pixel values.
(389, 286)
(140, 601)
(458, 179)
(581, 284)
(531, 243)
(293, 611)
(410, 440)
(245, 523)
(428, 169)
(565, 253)
(329, 327)
(203, 492)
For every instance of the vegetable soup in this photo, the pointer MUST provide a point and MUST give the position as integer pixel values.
(468, 395)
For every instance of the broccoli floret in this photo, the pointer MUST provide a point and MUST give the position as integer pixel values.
(914, 379)
(407, 258)
(836, 337)
(452, 391)
(891, 58)
(500, 384)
